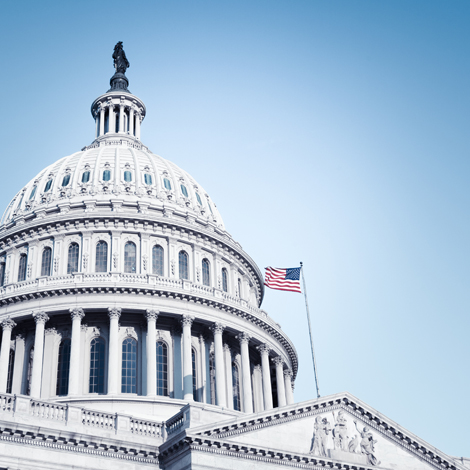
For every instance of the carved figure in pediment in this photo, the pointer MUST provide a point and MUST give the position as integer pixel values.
(340, 431)
(321, 437)
(353, 443)
(368, 445)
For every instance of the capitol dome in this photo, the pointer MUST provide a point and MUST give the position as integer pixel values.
(121, 290)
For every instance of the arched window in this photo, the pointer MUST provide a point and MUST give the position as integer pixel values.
(33, 192)
(97, 358)
(212, 378)
(11, 364)
(184, 190)
(63, 368)
(148, 178)
(193, 361)
(22, 267)
(167, 184)
(106, 175)
(72, 260)
(162, 369)
(66, 180)
(239, 288)
(198, 199)
(130, 257)
(48, 186)
(129, 366)
(127, 176)
(224, 280)
(101, 263)
(206, 275)
(157, 260)
(86, 177)
(2, 274)
(236, 387)
(46, 261)
(183, 264)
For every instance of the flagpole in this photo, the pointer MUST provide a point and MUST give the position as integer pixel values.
(310, 330)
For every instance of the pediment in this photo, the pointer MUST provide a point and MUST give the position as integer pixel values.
(336, 429)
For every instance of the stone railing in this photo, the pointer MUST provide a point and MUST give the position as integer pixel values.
(175, 423)
(71, 415)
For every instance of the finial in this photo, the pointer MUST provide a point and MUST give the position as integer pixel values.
(119, 80)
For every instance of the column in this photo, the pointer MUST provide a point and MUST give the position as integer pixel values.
(40, 318)
(74, 372)
(258, 389)
(228, 376)
(288, 386)
(246, 373)
(221, 400)
(7, 326)
(102, 111)
(202, 362)
(137, 126)
(114, 314)
(186, 322)
(281, 391)
(19, 363)
(266, 371)
(121, 118)
(111, 120)
(152, 316)
(131, 121)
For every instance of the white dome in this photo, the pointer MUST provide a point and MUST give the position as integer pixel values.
(114, 173)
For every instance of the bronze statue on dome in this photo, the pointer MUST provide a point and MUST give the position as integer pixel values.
(121, 64)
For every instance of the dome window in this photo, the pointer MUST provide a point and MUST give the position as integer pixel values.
(127, 176)
(148, 178)
(198, 199)
(210, 208)
(33, 192)
(184, 190)
(86, 177)
(167, 184)
(66, 180)
(48, 186)
(106, 175)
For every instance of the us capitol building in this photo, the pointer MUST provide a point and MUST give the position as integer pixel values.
(133, 335)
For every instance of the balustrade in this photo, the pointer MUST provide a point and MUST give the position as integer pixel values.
(46, 410)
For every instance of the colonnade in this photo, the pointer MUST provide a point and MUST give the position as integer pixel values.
(256, 385)
(131, 115)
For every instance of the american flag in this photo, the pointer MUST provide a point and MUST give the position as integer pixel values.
(283, 279)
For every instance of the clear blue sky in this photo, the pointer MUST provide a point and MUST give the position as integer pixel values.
(332, 132)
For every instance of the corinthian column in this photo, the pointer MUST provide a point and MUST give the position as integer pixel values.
(186, 322)
(266, 371)
(7, 326)
(137, 126)
(40, 318)
(151, 316)
(244, 339)
(102, 111)
(74, 372)
(281, 391)
(288, 386)
(114, 314)
(221, 396)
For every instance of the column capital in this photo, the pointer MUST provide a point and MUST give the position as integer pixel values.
(151, 314)
(77, 312)
(114, 312)
(226, 347)
(8, 324)
(40, 317)
(187, 320)
(278, 360)
(217, 328)
(243, 337)
(288, 373)
(263, 349)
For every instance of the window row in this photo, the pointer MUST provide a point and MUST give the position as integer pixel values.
(130, 263)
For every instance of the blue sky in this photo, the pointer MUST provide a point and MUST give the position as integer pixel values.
(329, 132)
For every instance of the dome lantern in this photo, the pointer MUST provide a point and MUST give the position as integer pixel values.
(118, 113)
